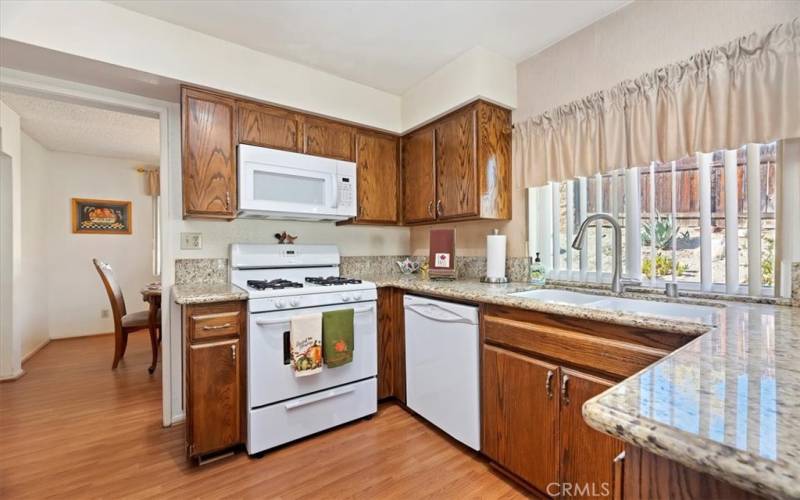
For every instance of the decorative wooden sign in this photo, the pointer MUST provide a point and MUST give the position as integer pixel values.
(101, 216)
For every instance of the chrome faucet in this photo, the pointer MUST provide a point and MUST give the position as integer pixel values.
(617, 282)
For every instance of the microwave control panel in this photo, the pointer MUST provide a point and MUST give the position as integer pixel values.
(347, 193)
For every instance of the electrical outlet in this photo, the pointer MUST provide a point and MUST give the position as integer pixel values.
(191, 241)
(104, 313)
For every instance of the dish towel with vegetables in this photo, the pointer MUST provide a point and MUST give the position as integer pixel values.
(337, 337)
(305, 339)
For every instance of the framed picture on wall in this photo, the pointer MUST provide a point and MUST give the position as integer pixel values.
(101, 216)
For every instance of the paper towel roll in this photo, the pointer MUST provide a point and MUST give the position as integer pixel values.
(496, 256)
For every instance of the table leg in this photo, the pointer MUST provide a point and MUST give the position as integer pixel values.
(151, 323)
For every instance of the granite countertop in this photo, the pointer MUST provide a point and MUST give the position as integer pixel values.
(205, 293)
(727, 403)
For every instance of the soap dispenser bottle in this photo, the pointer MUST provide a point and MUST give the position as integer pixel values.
(536, 274)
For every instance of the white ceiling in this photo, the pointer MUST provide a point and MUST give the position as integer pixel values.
(389, 45)
(75, 128)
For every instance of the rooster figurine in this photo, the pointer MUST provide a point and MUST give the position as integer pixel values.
(285, 238)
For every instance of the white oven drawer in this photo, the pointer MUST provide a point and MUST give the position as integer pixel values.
(270, 376)
(286, 421)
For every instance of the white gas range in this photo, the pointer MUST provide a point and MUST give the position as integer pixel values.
(283, 281)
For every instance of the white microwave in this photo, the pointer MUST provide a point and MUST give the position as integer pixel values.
(278, 184)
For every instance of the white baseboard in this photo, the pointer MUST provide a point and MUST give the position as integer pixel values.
(176, 419)
(13, 377)
(35, 350)
(80, 336)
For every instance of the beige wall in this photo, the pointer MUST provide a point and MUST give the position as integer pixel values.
(632, 41)
(66, 296)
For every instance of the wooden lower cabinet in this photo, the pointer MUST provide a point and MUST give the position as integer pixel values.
(587, 456)
(391, 345)
(215, 395)
(542, 439)
(215, 376)
(520, 415)
(650, 476)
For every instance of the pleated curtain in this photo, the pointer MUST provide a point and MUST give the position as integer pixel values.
(745, 91)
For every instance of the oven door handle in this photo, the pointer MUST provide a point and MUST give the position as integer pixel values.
(333, 393)
(278, 321)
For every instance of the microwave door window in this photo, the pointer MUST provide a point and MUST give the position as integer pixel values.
(295, 189)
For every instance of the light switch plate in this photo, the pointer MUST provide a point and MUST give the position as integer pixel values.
(191, 241)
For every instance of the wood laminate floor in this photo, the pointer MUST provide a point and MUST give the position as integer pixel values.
(72, 428)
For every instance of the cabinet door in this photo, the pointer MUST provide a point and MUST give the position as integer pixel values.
(419, 177)
(378, 177)
(209, 155)
(391, 344)
(214, 396)
(587, 456)
(330, 139)
(269, 127)
(520, 415)
(456, 168)
(494, 160)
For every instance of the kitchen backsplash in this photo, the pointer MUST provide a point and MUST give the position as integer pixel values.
(201, 271)
(466, 267)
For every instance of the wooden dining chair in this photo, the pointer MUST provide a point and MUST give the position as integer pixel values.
(124, 323)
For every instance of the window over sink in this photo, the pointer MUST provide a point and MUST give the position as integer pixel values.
(708, 221)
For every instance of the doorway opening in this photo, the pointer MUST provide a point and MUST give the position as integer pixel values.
(85, 296)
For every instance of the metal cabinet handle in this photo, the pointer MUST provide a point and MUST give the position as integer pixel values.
(548, 384)
(227, 200)
(439, 207)
(565, 389)
(217, 327)
(233, 352)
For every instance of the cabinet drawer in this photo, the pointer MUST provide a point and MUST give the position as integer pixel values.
(209, 322)
(615, 357)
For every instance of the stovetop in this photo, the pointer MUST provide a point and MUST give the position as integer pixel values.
(278, 271)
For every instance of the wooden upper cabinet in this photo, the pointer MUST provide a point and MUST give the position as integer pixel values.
(469, 156)
(377, 164)
(493, 135)
(456, 168)
(327, 138)
(209, 154)
(268, 126)
(419, 176)
(520, 415)
(587, 455)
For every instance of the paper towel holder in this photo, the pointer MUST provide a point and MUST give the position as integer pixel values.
(501, 279)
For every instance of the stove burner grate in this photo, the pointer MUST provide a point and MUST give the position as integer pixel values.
(332, 281)
(277, 284)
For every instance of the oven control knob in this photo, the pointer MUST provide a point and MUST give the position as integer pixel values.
(280, 304)
(346, 297)
(294, 302)
(357, 296)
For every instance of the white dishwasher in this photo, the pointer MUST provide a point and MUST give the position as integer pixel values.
(442, 366)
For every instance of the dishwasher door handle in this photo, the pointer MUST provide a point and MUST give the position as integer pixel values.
(456, 319)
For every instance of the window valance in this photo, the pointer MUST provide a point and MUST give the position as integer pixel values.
(745, 91)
